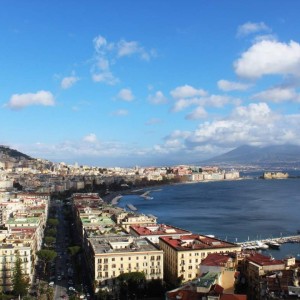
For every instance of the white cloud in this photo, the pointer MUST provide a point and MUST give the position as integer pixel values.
(125, 48)
(278, 94)
(126, 95)
(269, 58)
(68, 82)
(157, 98)
(105, 77)
(120, 112)
(90, 138)
(254, 124)
(19, 101)
(181, 104)
(198, 113)
(108, 54)
(227, 86)
(249, 28)
(187, 91)
(210, 101)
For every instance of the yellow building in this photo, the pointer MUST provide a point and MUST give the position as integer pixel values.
(183, 255)
(110, 256)
(8, 255)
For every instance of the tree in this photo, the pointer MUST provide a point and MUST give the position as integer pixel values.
(53, 222)
(20, 282)
(132, 283)
(51, 232)
(74, 250)
(46, 256)
(50, 239)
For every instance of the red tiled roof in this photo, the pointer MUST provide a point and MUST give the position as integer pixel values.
(263, 260)
(215, 259)
(158, 229)
(196, 242)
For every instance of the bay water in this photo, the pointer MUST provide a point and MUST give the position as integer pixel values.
(236, 211)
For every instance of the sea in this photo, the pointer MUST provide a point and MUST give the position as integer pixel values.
(250, 208)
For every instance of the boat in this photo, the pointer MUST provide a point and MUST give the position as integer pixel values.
(273, 245)
(261, 245)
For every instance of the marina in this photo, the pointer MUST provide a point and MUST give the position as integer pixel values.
(272, 243)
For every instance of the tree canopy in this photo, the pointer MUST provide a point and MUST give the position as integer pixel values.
(19, 280)
(53, 222)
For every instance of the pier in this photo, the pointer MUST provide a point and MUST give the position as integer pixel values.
(264, 243)
(132, 207)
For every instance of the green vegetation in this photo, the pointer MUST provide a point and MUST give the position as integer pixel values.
(20, 282)
(46, 256)
(132, 285)
(53, 222)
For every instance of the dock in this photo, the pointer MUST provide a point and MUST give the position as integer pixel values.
(261, 244)
(132, 207)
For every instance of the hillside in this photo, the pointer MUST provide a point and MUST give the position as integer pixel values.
(8, 152)
(277, 155)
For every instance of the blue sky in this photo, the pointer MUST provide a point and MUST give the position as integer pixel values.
(124, 83)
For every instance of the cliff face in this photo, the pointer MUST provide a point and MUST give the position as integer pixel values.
(275, 175)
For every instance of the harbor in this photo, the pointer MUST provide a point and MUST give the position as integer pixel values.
(270, 243)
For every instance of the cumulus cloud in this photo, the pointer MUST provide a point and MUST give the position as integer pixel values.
(254, 124)
(181, 104)
(157, 98)
(68, 82)
(269, 58)
(198, 113)
(90, 138)
(227, 86)
(126, 95)
(278, 94)
(250, 27)
(19, 101)
(210, 101)
(187, 91)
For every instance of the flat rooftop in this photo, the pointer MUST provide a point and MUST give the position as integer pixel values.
(121, 244)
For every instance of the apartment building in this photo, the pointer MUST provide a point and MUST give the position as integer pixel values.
(184, 254)
(268, 277)
(8, 256)
(127, 219)
(110, 256)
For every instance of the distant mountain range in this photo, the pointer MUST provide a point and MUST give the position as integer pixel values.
(277, 156)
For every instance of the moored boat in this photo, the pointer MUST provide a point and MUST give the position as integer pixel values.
(273, 245)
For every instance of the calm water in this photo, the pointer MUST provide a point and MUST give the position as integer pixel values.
(233, 210)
